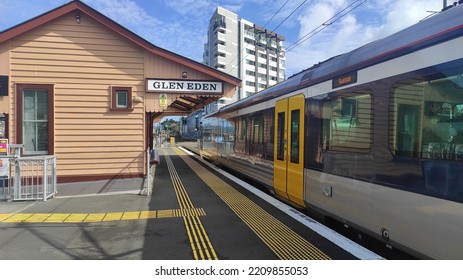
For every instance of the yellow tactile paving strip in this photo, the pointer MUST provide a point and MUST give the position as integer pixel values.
(284, 242)
(99, 217)
(199, 240)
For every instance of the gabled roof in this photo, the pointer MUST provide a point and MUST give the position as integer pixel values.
(76, 5)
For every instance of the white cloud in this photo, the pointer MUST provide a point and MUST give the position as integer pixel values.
(181, 27)
(370, 21)
(190, 7)
(125, 12)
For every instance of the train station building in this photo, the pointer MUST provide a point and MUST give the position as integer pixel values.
(76, 84)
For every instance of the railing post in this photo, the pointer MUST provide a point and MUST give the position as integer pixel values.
(44, 179)
(54, 176)
(17, 179)
(147, 181)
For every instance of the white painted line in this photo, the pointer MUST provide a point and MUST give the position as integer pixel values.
(338, 239)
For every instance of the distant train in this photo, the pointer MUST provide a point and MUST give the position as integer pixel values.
(372, 138)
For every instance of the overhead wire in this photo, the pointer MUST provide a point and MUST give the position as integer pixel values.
(319, 28)
(298, 7)
(324, 25)
(310, 34)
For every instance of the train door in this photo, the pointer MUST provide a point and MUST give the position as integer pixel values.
(288, 151)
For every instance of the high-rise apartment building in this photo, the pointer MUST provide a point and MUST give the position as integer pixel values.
(245, 50)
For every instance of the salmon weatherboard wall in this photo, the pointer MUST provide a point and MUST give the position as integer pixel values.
(83, 61)
(81, 56)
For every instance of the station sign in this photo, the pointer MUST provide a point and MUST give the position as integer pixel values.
(184, 86)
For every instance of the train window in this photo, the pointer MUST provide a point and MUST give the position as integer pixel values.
(258, 129)
(347, 121)
(243, 129)
(295, 123)
(427, 117)
(281, 136)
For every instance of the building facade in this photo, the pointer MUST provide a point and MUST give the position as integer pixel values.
(78, 85)
(242, 49)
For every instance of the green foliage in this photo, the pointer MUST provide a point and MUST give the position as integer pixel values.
(171, 126)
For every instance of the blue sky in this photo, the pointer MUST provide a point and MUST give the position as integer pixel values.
(180, 26)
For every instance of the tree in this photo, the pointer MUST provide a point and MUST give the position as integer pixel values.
(171, 126)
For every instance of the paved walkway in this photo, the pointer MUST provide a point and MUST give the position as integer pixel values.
(133, 186)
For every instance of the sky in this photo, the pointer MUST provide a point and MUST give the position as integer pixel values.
(314, 30)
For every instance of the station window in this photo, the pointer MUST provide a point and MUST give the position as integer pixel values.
(34, 120)
(347, 122)
(121, 98)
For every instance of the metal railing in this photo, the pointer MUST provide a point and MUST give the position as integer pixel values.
(34, 178)
(30, 178)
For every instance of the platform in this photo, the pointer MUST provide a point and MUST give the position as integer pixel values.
(196, 211)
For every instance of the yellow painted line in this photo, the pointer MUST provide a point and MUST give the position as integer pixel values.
(284, 242)
(76, 218)
(57, 218)
(165, 213)
(5, 216)
(92, 218)
(18, 218)
(115, 216)
(148, 214)
(201, 246)
(37, 218)
(131, 215)
(99, 217)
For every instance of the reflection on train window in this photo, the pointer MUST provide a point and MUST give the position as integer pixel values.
(243, 129)
(258, 130)
(427, 118)
(281, 136)
(347, 122)
(295, 123)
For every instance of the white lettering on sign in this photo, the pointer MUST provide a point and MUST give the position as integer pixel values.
(183, 86)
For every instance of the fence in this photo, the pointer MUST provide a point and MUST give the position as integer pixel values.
(31, 178)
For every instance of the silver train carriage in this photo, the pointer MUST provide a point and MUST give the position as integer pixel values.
(372, 138)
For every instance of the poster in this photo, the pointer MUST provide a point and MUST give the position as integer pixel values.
(4, 160)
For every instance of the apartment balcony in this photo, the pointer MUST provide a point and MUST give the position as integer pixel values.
(249, 34)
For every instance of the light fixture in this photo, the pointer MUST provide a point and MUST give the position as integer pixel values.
(137, 99)
(184, 74)
(77, 18)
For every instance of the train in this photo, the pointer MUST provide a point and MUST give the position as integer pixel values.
(372, 138)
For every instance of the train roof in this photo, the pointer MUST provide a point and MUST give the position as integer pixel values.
(438, 28)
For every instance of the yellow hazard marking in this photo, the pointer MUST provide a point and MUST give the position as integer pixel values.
(284, 242)
(147, 215)
(17, 218)
(91, 218)
(201, 246)
(75, 218)
(57, 218)
(116, 216)
(165, 214)
(131, 215)
(37, 218)
(5, 216)
(99, 217)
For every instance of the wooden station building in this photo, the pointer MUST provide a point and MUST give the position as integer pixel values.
(76, 84)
